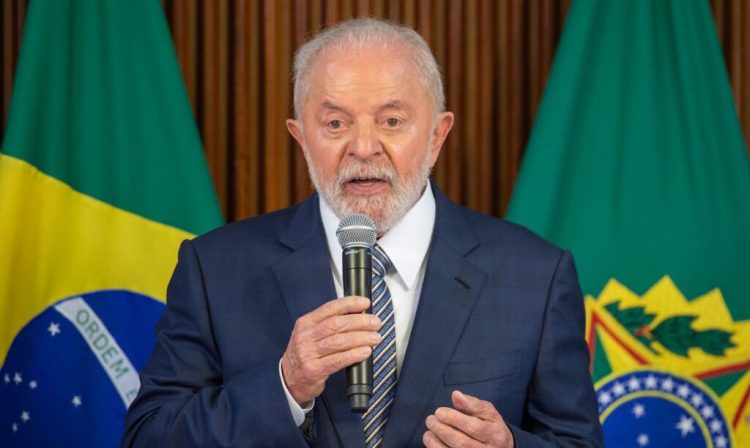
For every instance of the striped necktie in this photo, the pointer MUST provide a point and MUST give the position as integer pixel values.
(384, 355)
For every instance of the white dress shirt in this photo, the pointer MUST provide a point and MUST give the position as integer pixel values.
(406, 244)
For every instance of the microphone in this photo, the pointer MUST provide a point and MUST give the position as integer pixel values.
(356, 234)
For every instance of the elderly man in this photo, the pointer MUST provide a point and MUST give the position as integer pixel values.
(478, 329)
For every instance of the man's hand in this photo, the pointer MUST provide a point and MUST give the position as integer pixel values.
(473, 423)
(326, 340)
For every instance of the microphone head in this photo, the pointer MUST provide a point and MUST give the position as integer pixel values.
(356, 230)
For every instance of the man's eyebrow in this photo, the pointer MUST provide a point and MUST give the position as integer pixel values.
(332, 106)
(395, 104)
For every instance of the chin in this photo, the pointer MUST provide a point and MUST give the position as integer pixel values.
(378, 207)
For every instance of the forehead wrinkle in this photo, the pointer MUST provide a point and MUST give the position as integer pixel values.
(395, 104)
(329, 105)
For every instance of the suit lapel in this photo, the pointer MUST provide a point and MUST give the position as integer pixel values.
(305, 281)
(450, 289)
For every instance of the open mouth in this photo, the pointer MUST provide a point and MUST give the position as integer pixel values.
(365, 181)
(365, 185)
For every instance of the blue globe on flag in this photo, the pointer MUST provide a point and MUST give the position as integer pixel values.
(656, 408)
(72, 371)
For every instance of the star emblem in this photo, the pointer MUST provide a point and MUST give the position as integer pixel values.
(721, 442)
(14, 426)
(685, 425)
(32, 384)
(605, 398)
(634, 384)
(642, 439)
(54, 328)
(618, 389)
(25, 416)
(715, 426)
(683, 391)
(639, 410)
(667, 385)
(650, 382)
(696, 400)
(6, 378)
(707, 412)
(76, 401)
(17, 378)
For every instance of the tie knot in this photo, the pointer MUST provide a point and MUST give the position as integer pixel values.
(380, 261)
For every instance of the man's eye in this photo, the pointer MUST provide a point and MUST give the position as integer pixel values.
(392, 122)
(335, 124)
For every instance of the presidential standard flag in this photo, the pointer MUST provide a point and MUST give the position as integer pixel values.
(101, 177)
(637, 164)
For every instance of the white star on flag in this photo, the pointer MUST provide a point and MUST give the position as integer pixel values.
(25, 416)
(6, 378)
(634, 384)
(715, 426)
(720, 442)
(605, 398)
(667, 385)
(76, 401)
(683, 391)
(618, 389)
(685, 425)
(650, 382)
(32, 384)
(17, 378)
(15, 427)
(707, 412)
(696, 400)
(54, 328)
(642, 439)
(639, 410)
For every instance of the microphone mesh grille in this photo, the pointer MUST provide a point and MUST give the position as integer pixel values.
(356, 230)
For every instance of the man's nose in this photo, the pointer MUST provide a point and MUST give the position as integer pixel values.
(365, 143)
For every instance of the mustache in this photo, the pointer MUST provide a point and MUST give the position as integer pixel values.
(367, 170)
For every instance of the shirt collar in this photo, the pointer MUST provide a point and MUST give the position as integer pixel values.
(406, 243)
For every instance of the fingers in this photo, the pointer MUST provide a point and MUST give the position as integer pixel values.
(475, 407)
(336, 307)
(333, 363)
(468, 424)
(430, 440)
(341, 342)
(344, 323)
(449, 435)
(326, 340)
(473, 422)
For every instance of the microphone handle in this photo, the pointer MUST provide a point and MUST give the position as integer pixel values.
(357, 270)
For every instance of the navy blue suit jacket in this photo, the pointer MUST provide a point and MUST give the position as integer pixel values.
(500, 317)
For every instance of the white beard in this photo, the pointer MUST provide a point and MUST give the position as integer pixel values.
(385, 209)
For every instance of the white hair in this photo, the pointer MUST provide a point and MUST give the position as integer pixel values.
(365, 32)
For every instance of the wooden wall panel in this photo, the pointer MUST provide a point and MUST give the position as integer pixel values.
(12, 15)
(235, 57)
(733, 26)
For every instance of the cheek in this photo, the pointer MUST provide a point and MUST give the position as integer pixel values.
(325, 157)
(409, 154)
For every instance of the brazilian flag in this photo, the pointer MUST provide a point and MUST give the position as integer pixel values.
(101, 177)
(637, 164)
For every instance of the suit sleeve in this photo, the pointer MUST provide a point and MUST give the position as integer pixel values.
(561, 406)
(184, 400)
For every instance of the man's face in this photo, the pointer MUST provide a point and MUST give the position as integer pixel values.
(369, 132)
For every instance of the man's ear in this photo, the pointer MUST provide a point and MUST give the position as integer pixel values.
(443, 125)
(295, 128)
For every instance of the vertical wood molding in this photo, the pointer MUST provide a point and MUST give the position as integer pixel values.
(235, 57)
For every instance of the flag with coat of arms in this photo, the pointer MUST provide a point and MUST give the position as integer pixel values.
(637, 164)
